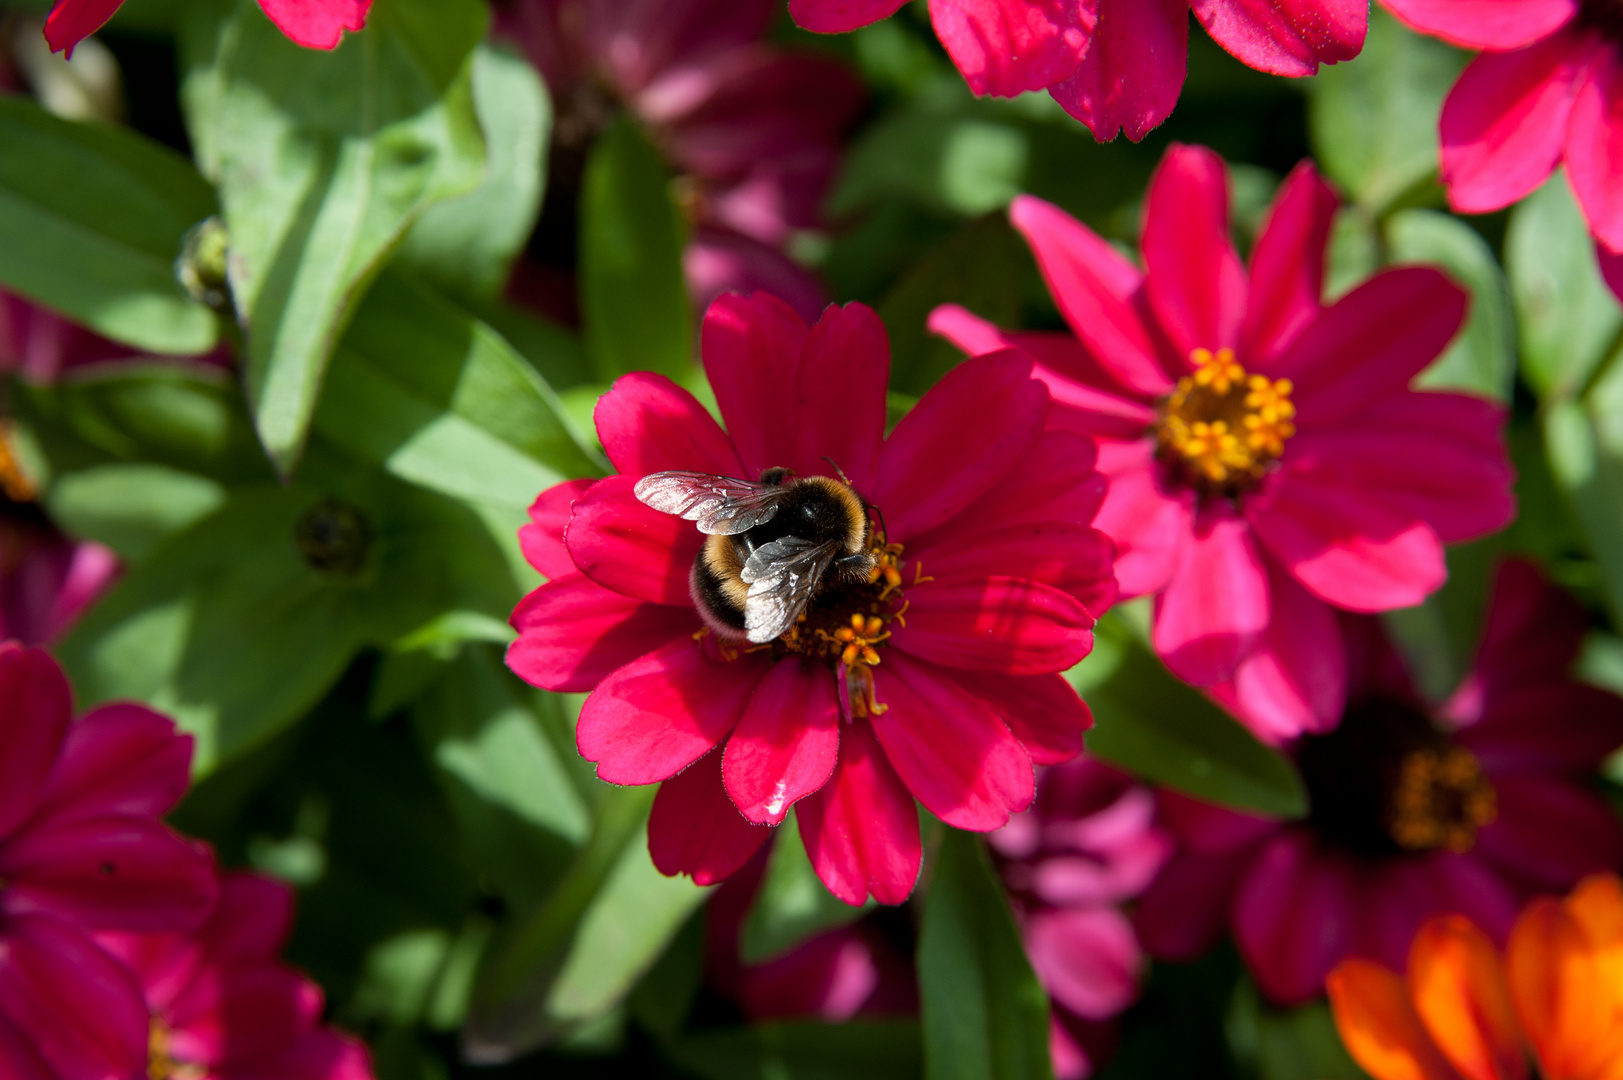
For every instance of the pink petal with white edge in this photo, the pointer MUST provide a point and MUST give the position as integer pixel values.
(751, 347)
(861, 829)
(695, 829)
(1504, 125)
(1295, 680)
(1134, 68)
(317, 24)
(1286, 37)
(1196, 282)
(631, 548)
(542, 540)
(840, 16)
(1485, 24)
(1215, 607)
(1087, 959)
(1369, 344)
(661, 713)
(35, 707)
(1595, 147)
(951, 751)
(1344, 543)
(1002, 624)
(1007, 47)
(839, 399)
(1287, 266)
(574, 633)
(649, 424)
(71, 21)
(785, 746)
(119, 759)
(1149, 525)
(1294, 916)
(1044, 711)
(80, 1010)
(1096, 289)
(962, 438)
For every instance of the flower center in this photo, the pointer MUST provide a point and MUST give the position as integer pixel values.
(1387, 782)
(1221, 428)
(160, 1065)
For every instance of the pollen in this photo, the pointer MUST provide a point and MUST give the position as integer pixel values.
(1440, 800)
(14, 482)
(1221, 427)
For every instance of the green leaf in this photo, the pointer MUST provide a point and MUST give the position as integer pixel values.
(1568, 318)
(1149, 723)
(633, 298)
(983, 1012)
(792, 904)
(323, 160)
(1374, 119)
(1288, 1044)
(1482, 359)
(859, 1050)
(439, 399)
(1584, 441)
(467, 244)
(91, 221)
(132, 507)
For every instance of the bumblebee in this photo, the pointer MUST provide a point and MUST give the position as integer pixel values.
(771, 547)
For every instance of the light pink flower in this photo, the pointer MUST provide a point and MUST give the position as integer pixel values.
(225, 1007)
(1116, 65)
(1547, 90)
(315, 24)
(1088, 845)
(82, 848)
(1330, 484)
(986, 595)
(1469, 808)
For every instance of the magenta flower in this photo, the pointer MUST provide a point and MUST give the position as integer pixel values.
(1268, 461)
(82, 848)
(225, 1007)
(755, 131)
(315, 24)
(1468, 808)
(1115, 65)
(936, 677)
(46, 579)
(1089, 844)
(1547, 90)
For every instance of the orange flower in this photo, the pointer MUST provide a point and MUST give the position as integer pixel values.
(1462, 1014)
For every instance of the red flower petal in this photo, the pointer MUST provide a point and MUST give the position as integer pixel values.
(1215, 608)
(630, 548)
(661, 713)
(1055, 483)
(323, 1054)
(649, 424)
(1186, 909)
(1595, 147)
(1043, 711)
(1087, 959)
(1007, 47)
(785, 746)
(951, 751)
(1196, 282)
(35, 707)
(1287, 266)
(1396, 896)
(718, 261)
(1149, 525)
(695, 829)
(1611, 268)
(961, 439)
(79, 1009)
(751, 347)
(1286, 37)
(119, 759)
(251, 921)
(861, 829)
(840, 16)
(242, 1012)
(1075, 559)
(542, 541)
(1531, 635)
(1133, 70)
(1485, 24)
(574, 633)
(1295, 680)
(1002, 624)
(317, 24)
(71, 21)
(839, 395)
(18, 1059)
(1549, 832)
(1294, 916)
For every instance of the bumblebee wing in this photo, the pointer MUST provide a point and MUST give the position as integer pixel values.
(720, 505)
(782, 576)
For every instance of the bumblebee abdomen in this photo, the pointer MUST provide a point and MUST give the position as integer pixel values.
(717, 589)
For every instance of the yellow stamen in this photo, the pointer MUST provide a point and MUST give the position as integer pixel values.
(1223, 427)
(13, 481)
(1440, 800)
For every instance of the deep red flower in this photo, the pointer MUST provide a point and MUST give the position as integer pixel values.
(1547, 90)
(1268, 460)
(754, 130)
(46, 579)
(315, 24)
(990, 573)
(1115, 65)
(82, 848)
(225, 1007)
(1089, 844)
(1465, 808)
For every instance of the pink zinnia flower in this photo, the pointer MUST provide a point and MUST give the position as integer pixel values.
(937, 678)
(1547, 90)
(1468, 808)
(225, 1007)
(1268, 460)
(82, 848)
(1115, 65)
(1089, 844)
(754, 130)
(315, 24)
